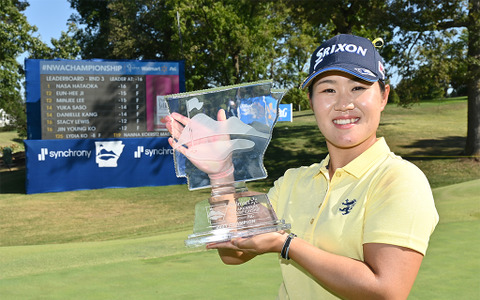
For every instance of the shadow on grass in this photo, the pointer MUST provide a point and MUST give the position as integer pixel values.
(12, 182)
(311, 114)
(442, 148)
(18, 140)
(292, 147)
(390, 123)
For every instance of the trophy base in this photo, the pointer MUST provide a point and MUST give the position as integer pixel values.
(240, 215)
(224, 235)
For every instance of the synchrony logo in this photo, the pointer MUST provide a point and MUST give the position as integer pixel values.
(151, 152)
(44, 153)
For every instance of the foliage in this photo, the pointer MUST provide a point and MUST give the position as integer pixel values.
(298, 98)
(434, 66)
(123, 29)
(393, 96)
(363, 18)
(236, 37)
(427, 31)
(222, 42)
(17, 37)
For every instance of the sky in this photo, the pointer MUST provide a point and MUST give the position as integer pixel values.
(50, 17)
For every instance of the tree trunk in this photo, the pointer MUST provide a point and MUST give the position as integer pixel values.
(236, 65)
(472, 147)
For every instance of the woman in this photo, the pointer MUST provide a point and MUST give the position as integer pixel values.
(363, 216)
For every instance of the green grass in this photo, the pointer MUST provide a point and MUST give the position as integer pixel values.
(147, 268)
(160, 267)
(10, 139)
(95, 215)
(450, 268)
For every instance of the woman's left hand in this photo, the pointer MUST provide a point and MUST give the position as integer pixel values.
(255, 245)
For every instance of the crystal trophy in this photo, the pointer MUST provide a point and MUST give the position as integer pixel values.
(207, 148)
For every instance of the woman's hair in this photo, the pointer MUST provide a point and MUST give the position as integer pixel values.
(381, 84)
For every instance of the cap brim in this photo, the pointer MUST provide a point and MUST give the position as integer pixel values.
(311, 77)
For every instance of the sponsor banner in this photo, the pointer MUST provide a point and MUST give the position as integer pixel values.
(67, 165)
(285, 113)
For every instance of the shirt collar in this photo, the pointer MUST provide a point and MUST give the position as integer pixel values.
(363, 162)
(323, 169)
(367, 159)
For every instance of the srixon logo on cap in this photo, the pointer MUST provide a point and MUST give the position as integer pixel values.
(350, 48)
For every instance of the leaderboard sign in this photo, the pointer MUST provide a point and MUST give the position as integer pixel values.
(87, 117)
(102, 99)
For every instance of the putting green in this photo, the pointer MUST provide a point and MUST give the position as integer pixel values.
(161, 267)
(450, 268)
(149, 268)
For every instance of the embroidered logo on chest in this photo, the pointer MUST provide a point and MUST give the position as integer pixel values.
(347, 206)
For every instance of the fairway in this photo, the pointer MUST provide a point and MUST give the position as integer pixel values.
(450, 268)
(160, 267)
(147, 268)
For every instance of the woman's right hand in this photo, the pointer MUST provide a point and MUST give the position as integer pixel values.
(216, 168)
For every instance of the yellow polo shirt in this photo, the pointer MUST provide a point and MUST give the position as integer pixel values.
(377, 198)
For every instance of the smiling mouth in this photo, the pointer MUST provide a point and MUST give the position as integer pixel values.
(345, 121)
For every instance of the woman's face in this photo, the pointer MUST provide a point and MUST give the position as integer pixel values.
(347, 110)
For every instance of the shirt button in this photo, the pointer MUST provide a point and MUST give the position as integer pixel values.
(311, 221)
(339, 174)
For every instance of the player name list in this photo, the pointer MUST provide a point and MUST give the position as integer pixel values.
(93, 106)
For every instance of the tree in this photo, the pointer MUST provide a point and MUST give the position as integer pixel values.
(17, 37)
(222, 42)
(419, 21)
(359, 17)
(440, 65)
(246, 41)
(328, 18)
(66, 46)
(473, 85)
(125, 29)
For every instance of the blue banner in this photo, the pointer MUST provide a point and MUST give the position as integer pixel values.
(67, 165)
(285, 113)
(127, 67)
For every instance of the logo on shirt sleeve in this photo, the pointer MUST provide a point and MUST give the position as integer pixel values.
(347, 206)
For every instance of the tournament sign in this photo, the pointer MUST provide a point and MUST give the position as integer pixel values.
(285, 113)
(97, 123)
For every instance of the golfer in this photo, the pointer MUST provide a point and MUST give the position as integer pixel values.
(360, 219)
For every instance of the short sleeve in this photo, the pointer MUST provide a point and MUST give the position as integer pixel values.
(274, 192)
(400, 209)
